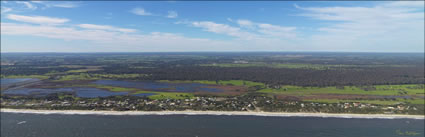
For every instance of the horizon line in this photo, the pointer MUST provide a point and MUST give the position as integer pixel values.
(217, 52)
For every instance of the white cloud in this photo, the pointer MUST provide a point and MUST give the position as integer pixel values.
(278, 31)
(124, 42)
(255, 30)
(374, 27)
(5, 9)
(389, 26)
(66, 33)
(155, 41)
(37, 1)
(172, 14)
(105, 27)
(57, 4)
(416, 4)
(223, 29)
(216, 28)
(245, 23)
(249, 30)
(37, 19)
(64, 5)
(140, 11)
(27, 4)
(359, 14)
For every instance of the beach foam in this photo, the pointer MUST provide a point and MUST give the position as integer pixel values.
(218, 113)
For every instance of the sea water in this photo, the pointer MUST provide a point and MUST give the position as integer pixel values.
(58, 125)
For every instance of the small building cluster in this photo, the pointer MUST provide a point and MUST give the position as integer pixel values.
(241, 103)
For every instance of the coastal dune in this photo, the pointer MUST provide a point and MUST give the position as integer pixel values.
(226, 113)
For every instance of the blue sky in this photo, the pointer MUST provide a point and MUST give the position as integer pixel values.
(146, 26)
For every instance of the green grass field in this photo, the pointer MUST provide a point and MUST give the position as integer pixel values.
(63, 96)
(274, 65)
(167, 95)
(385, 90)
(82, 70)
(380, 90)
(294, 65)
(115, 89)
(81, 76)
(414, 90)
(220, 82)
(378, 102)
(132, 91)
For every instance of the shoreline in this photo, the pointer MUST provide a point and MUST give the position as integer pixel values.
(214, 113)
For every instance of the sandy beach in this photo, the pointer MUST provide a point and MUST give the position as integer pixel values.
(227, 113)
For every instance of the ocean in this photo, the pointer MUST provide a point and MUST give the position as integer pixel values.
(59, 125)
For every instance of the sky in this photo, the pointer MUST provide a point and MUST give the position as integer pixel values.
(190, 26)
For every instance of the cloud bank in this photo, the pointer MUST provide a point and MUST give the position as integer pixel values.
(389, 25)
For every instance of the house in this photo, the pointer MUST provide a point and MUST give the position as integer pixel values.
(390, 108)
(400, 107)
(356, 104)
(347, 105)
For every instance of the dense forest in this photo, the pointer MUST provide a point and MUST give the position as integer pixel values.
(273, 68)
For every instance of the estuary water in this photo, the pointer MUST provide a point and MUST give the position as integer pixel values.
(79, 92)
(10, 81)
(94, 92)
(159, 86)
(58, 125)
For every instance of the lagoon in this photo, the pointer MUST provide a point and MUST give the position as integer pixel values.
(79, 92)
(160, 86)
(10, 81)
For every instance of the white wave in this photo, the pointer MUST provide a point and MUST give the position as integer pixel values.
(217, 113)
(22, 122)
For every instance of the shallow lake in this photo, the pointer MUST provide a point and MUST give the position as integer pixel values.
(160, 86)
(9, 81)
(79, 92)
(94, 92)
